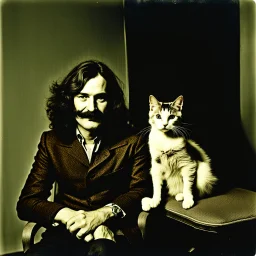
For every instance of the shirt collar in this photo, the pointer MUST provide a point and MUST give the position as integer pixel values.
(81, 139)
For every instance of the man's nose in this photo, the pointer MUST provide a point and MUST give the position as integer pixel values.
(91, 106)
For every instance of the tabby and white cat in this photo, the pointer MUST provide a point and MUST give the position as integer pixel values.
(180, 161)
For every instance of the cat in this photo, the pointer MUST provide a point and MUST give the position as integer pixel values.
(181, 162)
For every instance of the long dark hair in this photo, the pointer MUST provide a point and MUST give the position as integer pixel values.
(60, 105)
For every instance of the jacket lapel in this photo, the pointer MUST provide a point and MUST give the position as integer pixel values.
(105, 154)
(76, 150)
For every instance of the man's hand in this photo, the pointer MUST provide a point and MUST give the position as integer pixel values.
(88, 238)
(100, 232)
(64, 215)
(103, 232)
(85, 222)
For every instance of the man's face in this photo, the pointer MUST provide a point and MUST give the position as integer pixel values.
(91, 103)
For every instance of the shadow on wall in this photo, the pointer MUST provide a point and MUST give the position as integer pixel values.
(41, 42)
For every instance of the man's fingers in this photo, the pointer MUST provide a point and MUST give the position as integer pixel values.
(80, 224)
(77, 214)
(70, 222)
(80, 234)
(88, 238)
(77, 218)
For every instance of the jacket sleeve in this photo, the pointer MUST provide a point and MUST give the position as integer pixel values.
(33, 204)
(140, 184)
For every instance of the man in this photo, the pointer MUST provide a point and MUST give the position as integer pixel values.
(102, 171)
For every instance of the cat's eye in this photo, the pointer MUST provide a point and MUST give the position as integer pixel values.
(171, 116)
(158, 116)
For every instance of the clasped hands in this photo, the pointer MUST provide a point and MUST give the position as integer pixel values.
(87, 225)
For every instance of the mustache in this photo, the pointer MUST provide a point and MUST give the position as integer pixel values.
(93, 115)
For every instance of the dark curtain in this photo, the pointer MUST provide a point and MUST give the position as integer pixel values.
(192, 48)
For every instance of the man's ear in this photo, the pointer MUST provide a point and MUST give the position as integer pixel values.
(178, 103)
(153, 102)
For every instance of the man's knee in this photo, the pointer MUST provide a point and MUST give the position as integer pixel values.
(102, 247)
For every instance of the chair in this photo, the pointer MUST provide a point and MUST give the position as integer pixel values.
(28, 235)
(31, 229)
(224, 223)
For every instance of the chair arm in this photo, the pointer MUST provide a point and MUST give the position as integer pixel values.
(142, 220)
(232, 210)
(28, 235)
(223, 211)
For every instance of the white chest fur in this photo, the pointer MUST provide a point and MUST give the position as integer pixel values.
(159, 142)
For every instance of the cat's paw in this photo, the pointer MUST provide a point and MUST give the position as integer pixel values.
(179, 197)
(155, 202)
(146, 203)
(187, 203)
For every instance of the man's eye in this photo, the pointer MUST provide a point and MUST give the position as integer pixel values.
(83, 97)
(158, 116)
(100, 100)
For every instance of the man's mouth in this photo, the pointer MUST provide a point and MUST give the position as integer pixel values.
(92, 119)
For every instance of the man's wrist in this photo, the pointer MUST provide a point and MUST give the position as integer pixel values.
(105, 213)
(116, 210)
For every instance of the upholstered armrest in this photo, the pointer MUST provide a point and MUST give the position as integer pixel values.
(210, 214)
(28, 235)
(225, 211)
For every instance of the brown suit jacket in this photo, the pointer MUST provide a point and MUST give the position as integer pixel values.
(119, 173)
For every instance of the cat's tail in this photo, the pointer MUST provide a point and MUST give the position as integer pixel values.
(205, 179)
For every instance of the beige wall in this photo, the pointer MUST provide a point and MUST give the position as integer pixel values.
(1, 140)
(248, 68)
(41, 41)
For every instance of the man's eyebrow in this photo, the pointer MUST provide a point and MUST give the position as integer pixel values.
(101, 94)
(98, 94)
(83, 93)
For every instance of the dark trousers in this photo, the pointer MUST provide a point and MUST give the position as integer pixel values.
(58, 241)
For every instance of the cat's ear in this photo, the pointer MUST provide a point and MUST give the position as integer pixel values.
(178, 103)
(153, 102)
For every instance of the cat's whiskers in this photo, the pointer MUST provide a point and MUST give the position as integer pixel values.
(175, 131)
(186, 131)
(185, 125)
(187, 135)
(182, 131)
(144, 131)
(188, 124)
